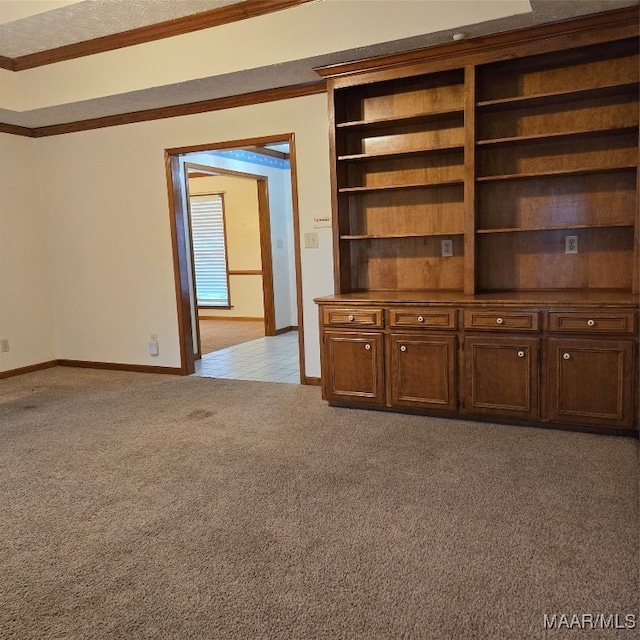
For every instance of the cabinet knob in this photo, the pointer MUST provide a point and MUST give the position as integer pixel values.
(403, 348)
(499, 320)
(351, 318)
(367, 347)
(591, 323)
(566, 356)
(521, 354)
(420, 318)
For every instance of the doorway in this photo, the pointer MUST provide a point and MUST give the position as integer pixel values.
(242, 282)
(256, 161)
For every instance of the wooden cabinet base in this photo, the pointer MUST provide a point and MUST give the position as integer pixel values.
(502, 376)
(356, 373)
(423, 371)
(488, 358)
(483, 419)
(590, 382)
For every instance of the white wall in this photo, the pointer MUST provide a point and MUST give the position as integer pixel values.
(26, 311)
(107, 221)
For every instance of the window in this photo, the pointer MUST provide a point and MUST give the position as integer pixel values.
(209, 250)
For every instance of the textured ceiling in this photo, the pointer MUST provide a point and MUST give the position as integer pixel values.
(93, 19)
(297, 71)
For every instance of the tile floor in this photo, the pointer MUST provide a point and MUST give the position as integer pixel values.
(270, 359)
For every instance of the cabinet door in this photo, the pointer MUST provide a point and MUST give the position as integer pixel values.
(502, 376)
(423, 371)
(353, 367)
(591, 382)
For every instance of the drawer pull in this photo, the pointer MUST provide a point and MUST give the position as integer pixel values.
(591, 323)
(351, 318)
(403, 348)
(521, 354)
(566, 356)
(499, 321)
(367, 347)
(420, 318)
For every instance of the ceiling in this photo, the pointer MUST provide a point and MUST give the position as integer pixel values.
(81, 20)
(41, 25)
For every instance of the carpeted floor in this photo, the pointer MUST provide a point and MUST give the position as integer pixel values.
(220, 334)
(138, 506)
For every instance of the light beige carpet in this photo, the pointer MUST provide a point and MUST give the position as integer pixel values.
(221, 334)
(138, 506)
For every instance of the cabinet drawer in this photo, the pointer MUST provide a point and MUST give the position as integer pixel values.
(431, 318)
(501, 320)
(359, 317)
(592, 321)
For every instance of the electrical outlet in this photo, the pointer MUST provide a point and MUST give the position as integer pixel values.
(279, 243)
(4, 346)
(571, 244)
(447, 248)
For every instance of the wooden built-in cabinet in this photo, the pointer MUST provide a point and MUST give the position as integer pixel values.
(423, 371)
(591, 382)
(357, 371)
(504, 356)
(486, 226)
(502, 376)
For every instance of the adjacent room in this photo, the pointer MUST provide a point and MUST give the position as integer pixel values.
(319, 319)
(239, 208)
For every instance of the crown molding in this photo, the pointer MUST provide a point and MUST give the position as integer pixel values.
(7, 63)
(566, 34)
(216, 104)
(179, 26)
(16, 130)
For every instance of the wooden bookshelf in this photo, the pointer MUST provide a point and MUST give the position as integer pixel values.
(468, 175)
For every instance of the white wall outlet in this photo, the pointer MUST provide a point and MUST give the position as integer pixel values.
(321, 220)
(571, 244)
(4, 346)
(447, 248)
(311, 240)
(279, 243)
(154, 347)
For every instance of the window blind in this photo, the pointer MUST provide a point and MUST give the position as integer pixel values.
(209, 250)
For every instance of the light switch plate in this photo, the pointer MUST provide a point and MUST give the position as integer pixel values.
(311, 240)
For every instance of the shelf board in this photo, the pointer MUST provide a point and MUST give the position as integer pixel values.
(400, 120)
(560, 97)
(401, 235)
(542, 137)
(394, 187)
(567, 227)
(386, 155)
(550, 174)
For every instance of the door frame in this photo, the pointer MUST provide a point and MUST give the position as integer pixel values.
(177, 196)
(264, 230)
